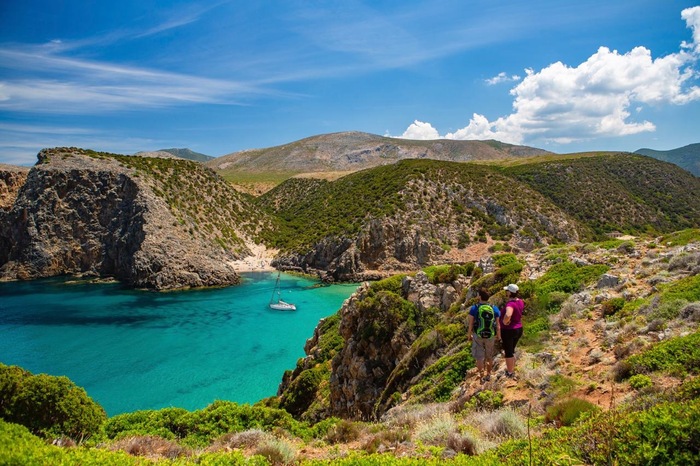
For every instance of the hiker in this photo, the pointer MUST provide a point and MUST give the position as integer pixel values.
(484, 329)
(511, 326)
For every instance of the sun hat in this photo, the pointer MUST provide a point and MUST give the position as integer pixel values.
(513, 288)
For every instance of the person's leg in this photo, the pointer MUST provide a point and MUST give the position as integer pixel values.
(488, 356)
(509, 339)
(478, 355)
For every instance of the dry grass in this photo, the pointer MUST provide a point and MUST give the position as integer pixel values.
(151, 446)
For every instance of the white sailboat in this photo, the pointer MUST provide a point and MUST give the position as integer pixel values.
(280, 305)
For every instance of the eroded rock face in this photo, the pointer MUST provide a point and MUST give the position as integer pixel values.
(377, 358)
(79, 215)
(11, 180)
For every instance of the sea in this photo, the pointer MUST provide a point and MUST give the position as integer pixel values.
(134, 350)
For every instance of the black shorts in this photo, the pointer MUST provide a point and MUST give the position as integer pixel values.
(509, 338)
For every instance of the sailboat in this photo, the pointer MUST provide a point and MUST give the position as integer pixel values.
(280, 305)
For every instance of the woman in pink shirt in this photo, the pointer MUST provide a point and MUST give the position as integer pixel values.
(511, 326)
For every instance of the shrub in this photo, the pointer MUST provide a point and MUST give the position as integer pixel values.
(681, 354)
(302, 390)
(277, 451)
(151, 446)
(447, 273)
(437, 430)
(665, 434)
(48, 405)
(566, 412)
(465, 443)
(392, 284)
(612, 306)
(486, 399)
(343, 432)
(504, 423)
(568, 277)
(640, 381)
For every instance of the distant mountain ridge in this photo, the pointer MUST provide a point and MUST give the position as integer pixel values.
(187, 154)
(686, 157)
(352, 151)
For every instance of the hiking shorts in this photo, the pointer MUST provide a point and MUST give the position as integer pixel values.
(483, 348)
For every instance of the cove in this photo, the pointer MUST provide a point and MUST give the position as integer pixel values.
(134, 350)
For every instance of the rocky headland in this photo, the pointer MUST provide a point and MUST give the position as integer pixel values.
(88, 214)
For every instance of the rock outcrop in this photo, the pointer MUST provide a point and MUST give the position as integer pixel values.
(95, 216)
(380, 356)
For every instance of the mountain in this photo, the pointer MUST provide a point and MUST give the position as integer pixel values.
(352, 151)
(687, 157)
(149, 222)
(181, 153)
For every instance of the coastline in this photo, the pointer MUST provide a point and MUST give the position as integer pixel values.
(260, 260)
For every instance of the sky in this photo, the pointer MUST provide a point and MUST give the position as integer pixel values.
(222, 76)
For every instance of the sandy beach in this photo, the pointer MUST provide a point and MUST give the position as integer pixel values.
(258, 261)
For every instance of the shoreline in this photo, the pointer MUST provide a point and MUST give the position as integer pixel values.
(260, 260)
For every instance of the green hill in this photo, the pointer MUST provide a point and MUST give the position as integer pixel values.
(624, 192)
(686, 157)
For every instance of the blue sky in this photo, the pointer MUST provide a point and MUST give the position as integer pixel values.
(222, 76)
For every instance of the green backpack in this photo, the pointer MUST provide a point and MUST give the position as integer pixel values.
(485, 321)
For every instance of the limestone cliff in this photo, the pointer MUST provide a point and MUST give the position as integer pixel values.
(81, 212)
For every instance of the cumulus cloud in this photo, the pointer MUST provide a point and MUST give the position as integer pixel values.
(502, 77)
(420, 130)
(562, 104)
(692, 19)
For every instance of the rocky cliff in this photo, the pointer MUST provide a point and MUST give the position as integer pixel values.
(81, 212)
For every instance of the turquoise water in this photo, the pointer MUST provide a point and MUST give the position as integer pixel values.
(135, 350)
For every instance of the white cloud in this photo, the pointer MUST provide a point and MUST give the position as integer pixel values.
(83, 86)
(564, 104)
(692, 19)
(420, 130)
(502, 77)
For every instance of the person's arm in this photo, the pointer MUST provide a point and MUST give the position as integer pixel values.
(470, 329)
(509, 314)
(498, 329)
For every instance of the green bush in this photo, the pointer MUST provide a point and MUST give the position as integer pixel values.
(447, 273)
(486, 399)
(47, 405)
(302, 391)
(680, 355)
(681, 238)
(613, 306)
(566, 412)
(568, 277)
(19, 447)
(392, 284)
(640, 381)
(199, 428)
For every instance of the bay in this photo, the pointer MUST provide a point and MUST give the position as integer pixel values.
(134, 350)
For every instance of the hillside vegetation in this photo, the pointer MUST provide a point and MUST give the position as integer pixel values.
(622, 192)
(608, 374)
(201, 202)
(686, 157)
(417, 212)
